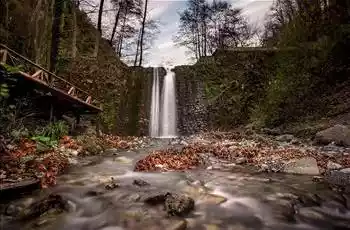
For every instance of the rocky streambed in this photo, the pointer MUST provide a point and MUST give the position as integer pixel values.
(226, 191)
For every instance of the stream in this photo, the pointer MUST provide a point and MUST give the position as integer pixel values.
(225, 197)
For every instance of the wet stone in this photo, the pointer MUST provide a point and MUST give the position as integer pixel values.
(156, 199)
(213, 199)
(93, 193)
(112, 185)
(284, 209)
(317, 179)
(178, 205)
(13, 210)
(51, 203)
(140, 182)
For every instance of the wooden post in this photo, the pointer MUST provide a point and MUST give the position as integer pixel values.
(51, 113)
(98, 128)
(4, 56)
(77, 117)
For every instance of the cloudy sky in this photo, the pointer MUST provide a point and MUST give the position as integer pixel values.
(165, 11)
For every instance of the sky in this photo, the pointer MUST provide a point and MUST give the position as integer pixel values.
(165, 52)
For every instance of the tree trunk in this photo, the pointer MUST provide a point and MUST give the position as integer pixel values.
(55, 33)
(75, 28)
(122, 32)
(137, 47)
(47, 36)
(99, 20)
(37, 16)
(115, 26)
(99, 29)
(64, 7)
(198, 42)
(6, 20)
(142, 32)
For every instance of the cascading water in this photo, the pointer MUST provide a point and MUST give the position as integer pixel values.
(168, 128)
(155, 111)
(163, 106)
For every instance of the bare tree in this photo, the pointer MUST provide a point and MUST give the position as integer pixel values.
(99, 28)
(56, 33)
(143, 32)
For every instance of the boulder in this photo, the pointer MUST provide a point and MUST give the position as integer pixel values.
(178, 205)
(339, 177)
(53, 201)
(306, 165)
(339, 134)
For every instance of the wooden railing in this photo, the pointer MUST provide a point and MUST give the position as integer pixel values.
(32, 70)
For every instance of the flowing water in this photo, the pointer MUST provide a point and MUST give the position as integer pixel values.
(225, 198)
(168, 128)
(155, 111)
(163, 106)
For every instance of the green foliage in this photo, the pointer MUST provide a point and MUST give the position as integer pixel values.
(47, 141)
(51, 133)
(13, 69)
(56, 130)
(4, 91)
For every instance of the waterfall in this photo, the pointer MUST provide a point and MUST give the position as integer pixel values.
(168, 128)
(163, 106)
(154, 123)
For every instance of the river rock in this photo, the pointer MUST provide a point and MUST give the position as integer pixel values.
(178, 205)
(333, 166)
(213, 199)
(112, 185)
(51, 202)
(339, 177)
(306, 165)
(140, 182)
(339, 134)
(156, 199)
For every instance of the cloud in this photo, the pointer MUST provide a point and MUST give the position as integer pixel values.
(166, 11)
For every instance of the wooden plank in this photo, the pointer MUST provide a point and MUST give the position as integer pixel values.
(88, 100)
(37, 73)
(71, 91)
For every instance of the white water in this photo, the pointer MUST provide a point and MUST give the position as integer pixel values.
(163, 107)
(168, 128)
(155, 110)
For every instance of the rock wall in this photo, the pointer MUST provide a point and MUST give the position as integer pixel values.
(192, 113)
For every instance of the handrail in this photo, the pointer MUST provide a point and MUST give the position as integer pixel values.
(72, 89)
(42, 68)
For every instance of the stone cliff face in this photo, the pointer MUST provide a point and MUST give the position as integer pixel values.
(191, 103)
